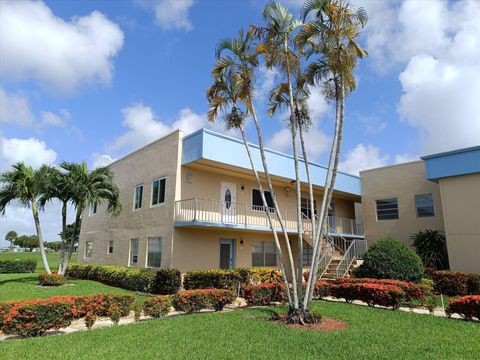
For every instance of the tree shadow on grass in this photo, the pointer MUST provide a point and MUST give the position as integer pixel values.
(20, 280)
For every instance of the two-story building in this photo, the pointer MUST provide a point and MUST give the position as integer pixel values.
(191, 202)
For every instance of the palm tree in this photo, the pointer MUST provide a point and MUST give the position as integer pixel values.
(58, 186)
(331, 36)
(89, 187)
(226, 95)
(277, 39)
(25, 184)
(242, 59)
(11, 237)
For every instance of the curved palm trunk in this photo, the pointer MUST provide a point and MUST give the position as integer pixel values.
(310, 190)
(76, 230)
(333, 167)
(43, 255)
(277, 209)
(268, 214)
(293, 130)
(63, 248)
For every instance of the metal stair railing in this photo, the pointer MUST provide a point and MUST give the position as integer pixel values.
(354, 252)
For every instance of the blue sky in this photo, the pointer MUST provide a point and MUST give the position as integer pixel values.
(92, 80)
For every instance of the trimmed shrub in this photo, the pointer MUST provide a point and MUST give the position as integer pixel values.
(372, 294)
(391, 259)
(454, 283)
(213, 279)
(34, 317)
(115, 313)
(467, 306)
(157, 306)
(17, 266)
(190, 301)
(218, 298)
(167, 281)
(264, 293)
(90, 319)
(431, 246)
(137, 309)
(52, 279)
(163, 281)
(263, 275)
(321, 289)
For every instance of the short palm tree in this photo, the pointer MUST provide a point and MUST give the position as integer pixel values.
(330, 37)
(86, 188)
(26, 185)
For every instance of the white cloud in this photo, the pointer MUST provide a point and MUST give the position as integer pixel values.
(100, 160)
(36, 44)
(436, 44)
(316, 141)
(265, 82)
(32, 151)
(363, 157)
(404, 158)
(15, 109)
(372, 124)
(61, 119)
(171, 14)
(144, 126)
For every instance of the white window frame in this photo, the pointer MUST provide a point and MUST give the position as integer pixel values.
(108, 247)
(151, 192)
(161, 252)
(384, 199)
(130, 252)
(86, 249)
(135, 194)
(251, 201)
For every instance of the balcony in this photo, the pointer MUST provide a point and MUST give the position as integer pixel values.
(224, 214)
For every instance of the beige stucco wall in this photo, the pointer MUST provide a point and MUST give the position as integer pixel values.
(460, 200)
(403, 182)
(156, 160)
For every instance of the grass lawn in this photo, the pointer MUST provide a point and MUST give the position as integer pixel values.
(372, 334)
(51, 257)
(24, 286)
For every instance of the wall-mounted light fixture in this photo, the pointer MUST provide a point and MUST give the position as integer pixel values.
(242, 188)
(241, 244)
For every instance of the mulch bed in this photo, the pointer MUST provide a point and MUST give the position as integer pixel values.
(325, 325)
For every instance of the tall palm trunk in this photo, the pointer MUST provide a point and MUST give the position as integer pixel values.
(293, 130)
(76, 232)
(331, 176)
(63, 247)
(277, 209)
(43, 255)
(268, 214)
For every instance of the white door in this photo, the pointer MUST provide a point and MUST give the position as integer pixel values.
(228, 197)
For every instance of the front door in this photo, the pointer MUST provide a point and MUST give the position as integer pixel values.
(227, 253)
(228, 198)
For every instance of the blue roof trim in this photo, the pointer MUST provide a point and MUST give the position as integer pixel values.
(210, 145)
(452, 163)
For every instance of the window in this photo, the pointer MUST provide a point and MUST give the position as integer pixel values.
(158, 191)
(88, 249)
(263, 253)
(305, 207)
(133, 252)
(387, 209)
(424, 205)
(110, 247)
(137, 202)
(154, 256)
(93, 208)
(307, 254)
(257, 203)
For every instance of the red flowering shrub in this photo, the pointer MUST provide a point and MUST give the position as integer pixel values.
(157, 306)
(372, 294)
(52, 279)
(34, 317)
(264, 293)
(467, 306)
(190, 301)
(454, 283)
(90, 319)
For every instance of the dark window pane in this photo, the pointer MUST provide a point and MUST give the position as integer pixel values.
(133, 252)
(387, 209)
(424, 205)
(154, 252)
(138, 196)
(162, 191)
(257, 203)
(155, 187)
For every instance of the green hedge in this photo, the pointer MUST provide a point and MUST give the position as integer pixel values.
(17, 266)
(390, 259)
(163, 281)
(232, 279)
(454, 283)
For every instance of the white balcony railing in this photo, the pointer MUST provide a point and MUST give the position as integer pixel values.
(242, 215)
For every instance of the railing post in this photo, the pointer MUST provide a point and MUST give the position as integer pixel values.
(195, 210)
(246, 222)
